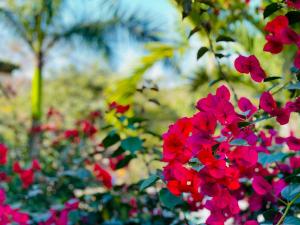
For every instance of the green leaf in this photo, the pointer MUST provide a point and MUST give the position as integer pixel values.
(290, 191)
(149, 182)
(187, 7)
(134, 120)
(224, 38)
(270, 9)
(244, 124)
(201, 52)
(118, 152)
(110, 139)
(293, 17)
(124, 162)
(265, 159)
(132, 144)
(239, 142)
(291, 220)
(168, 199)
(195, 30)
(295, 86)
(268, 79)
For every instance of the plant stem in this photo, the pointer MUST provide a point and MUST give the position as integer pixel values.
(223, 75)
(287, 209)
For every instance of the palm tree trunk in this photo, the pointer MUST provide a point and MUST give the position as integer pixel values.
(36, 107)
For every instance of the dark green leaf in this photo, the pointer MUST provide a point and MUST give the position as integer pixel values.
(244, 124)
(219, 55)
(187, 7)
(195, 30)
(293, 17)
(149, 182)
(201, 52)
(124, 162)
(270, 9)
(239, 142)
(271, 79)
(133, 120)
(132, 144)
(168, 199)
(224, 38)
(110, 140)
(295, 86)
(290, 191)
(118, 152)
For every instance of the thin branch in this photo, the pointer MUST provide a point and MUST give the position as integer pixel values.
(223, 75)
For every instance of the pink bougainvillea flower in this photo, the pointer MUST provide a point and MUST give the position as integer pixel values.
(269, 105)
(244, 156)
(267, 102)
(260, 185)
(174, 141)
(246, 106)
(295, 162)
(103, 176)
(61, 217)
(297, 60)
(250, 64)
(273, 45)
(3, 154)
(251, 222)
(293, 3)
(118, 107)
(223, 93)
(277, 24)
(293, 143)
(204, 122)
(2, 196)
(278, 186)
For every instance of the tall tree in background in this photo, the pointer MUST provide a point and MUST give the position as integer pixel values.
(40, 24)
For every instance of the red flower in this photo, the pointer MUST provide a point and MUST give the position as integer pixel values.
(295, 162)
(277, 24)
(251, 222)
(273, 45)
(297, 60)
(88, 128)
(246, 106)
(250, 64)
(2, 196)
(72, 134)
(268, 104)
(118, 107)
(293, 143)
(26, 175)
(260, 185)
(174, 141)
(3, 154)
(103, 176)
(293, 3)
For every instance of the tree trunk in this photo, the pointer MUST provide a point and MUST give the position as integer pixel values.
(35, 137)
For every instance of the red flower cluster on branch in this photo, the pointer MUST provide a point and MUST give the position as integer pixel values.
(10, 215)
(26, 175)
(281, 34)
(226, 155)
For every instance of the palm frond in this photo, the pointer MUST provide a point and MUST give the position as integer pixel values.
(14, 23)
